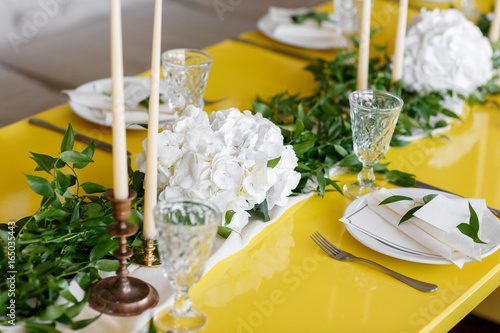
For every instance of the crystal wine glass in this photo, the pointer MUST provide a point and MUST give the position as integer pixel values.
(374, 115)
(187, 229)
(186, 75)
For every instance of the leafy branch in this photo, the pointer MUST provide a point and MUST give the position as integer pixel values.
(64, 240)
(317, 16)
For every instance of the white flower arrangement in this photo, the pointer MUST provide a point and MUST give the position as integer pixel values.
(232, 159)
(444, 50)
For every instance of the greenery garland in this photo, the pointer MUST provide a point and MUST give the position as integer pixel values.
(319, 128)
(64, 240)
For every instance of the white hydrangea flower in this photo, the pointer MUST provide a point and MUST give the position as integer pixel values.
(444, 50)
(224, 159)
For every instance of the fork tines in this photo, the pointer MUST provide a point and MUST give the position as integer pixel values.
(324, 244)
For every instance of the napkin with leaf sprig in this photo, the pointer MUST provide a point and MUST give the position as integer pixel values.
(456, 229)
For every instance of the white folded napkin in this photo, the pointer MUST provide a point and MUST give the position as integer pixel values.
(308, 31)
(433, 229)
(136, 89)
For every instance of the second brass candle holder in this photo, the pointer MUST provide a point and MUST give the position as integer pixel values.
(146, 255)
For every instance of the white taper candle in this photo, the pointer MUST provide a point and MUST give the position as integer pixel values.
(399, 47)
(495, 23)
(120, 168)
(151, 186)
(364, 46)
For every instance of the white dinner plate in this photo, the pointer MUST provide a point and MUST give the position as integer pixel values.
(265, 26)
(93, 116)
(391, 251)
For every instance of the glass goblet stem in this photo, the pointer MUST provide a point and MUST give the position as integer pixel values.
(366, 177)
(182, 302)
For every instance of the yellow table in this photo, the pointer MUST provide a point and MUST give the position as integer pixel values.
(282, 282)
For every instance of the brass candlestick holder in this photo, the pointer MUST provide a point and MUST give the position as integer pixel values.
(122, 295)
(146, 256)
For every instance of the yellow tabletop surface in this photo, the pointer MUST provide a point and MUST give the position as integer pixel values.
(282, 282)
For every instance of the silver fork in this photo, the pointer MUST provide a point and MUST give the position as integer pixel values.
(339, 254)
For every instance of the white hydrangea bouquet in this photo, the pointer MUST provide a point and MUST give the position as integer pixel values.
(232, 159)
(444, 52)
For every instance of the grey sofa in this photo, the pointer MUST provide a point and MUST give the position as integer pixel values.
(50, 45)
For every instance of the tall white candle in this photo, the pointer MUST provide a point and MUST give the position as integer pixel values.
(120, 169)
(150, 187)
(495, 24)
(364, 46)
(399, 47)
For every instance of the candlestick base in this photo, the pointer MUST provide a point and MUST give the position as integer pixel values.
(109, 297)
(147, 255)
(122, 295)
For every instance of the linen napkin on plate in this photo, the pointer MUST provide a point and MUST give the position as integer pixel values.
(283, 27)
(98, 98)
(433, 227)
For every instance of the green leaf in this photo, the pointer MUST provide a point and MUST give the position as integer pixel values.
(75, 215)
(302, 147)
(349, 161)
(449, 113)
(68, 295)
(321, 183)
(262, 108)
(68, 139)
(394, 198)
(334, 184)
(103, 248)
(299, 128)
(316, 16)
(89, 152)
(274, 162)
(79, 324)
(151, 328)
(91, 188)
(224, 232)
(40, 185)
(52, 213)
(400, 178)
(53, 312)
(228, 216)
(473, 220)
(136, 218)
(74, 310)
(429, 197)
(83, 280)
(468, 230)
(262, 207)
(62, 179)
(137, 181)
(380, 167)
(44, 162)
(39, 327)
(74, 157)
(341, 150)
(409, 214)
(107, 265)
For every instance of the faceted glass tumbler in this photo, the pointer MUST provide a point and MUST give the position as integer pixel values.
(347, 14)
(374, 115)
(187, 229)
(186, 75)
